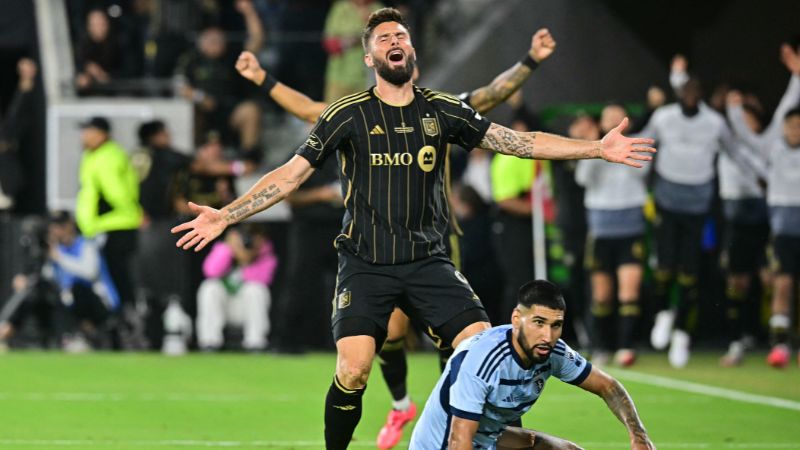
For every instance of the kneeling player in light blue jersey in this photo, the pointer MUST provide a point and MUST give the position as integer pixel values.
(494, 377)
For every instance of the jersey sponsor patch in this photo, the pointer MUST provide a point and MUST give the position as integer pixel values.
(426, 158)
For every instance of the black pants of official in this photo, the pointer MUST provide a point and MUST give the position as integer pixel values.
(312, 265)
(515, 253)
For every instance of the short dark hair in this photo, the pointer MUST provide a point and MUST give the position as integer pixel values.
(378, 17)
(791, 113)
(149, 129)
(542, 293)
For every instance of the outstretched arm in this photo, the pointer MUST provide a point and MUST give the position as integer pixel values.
(269, 190)
(485, 98)
(255, 30)
(614, 147)
(621, 404)
(295, 102)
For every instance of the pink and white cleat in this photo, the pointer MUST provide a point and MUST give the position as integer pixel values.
(392, 432)
(779, 356)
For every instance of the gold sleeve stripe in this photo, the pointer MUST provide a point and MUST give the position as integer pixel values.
(446, 98)
(343, 105)
(340, 101)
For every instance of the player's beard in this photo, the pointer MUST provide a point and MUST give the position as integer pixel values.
(397, 76)
(528, 349)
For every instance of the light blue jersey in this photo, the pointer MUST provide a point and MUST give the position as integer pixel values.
(484, 381)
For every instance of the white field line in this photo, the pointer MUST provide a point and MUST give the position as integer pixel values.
(321, 444)
(703, 389)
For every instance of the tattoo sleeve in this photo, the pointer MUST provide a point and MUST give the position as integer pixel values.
(509, 142)
(537, 144)
(621, 404)
(487, 97)
(269, 190)
(252, 204)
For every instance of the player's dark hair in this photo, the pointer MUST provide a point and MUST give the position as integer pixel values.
(378, 17)
(149, 129)
(542, 293)
(791, 113)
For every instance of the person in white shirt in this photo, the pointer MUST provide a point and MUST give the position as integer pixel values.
(782, 145)
(690, 135)
(614, 254)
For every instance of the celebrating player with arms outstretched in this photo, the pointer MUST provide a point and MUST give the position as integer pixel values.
(389, 141)
(392, 355)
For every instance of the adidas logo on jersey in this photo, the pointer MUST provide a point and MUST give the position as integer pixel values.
(377, 130)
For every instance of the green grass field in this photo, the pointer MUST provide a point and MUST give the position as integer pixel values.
(132, 401)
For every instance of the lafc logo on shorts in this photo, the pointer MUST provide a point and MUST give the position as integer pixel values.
(426, 158)
(343, 301)
(430, 126)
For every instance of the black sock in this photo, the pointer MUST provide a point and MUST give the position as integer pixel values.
(602, 324)
(392, 359)
(663, 283)
(629, 313)
(686, 300)
(736, 301)
(444, 355)
(342, 413)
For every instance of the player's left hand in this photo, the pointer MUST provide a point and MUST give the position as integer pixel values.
(624, 150)
(542, 45)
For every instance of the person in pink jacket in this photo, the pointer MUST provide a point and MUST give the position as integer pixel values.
(238, 273)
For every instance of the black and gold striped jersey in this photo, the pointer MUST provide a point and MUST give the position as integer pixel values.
(392, 168)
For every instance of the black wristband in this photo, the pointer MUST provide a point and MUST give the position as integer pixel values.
(268, 83)
(528, 61)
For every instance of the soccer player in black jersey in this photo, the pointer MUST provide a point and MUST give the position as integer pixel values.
(389, 142)
(392, 355)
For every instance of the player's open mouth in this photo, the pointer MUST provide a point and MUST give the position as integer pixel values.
(396, 56)
(542, 350)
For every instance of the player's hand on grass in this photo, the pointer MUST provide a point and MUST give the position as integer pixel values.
(542, 45)
(208, 224)
(625, 150)
(247, 65)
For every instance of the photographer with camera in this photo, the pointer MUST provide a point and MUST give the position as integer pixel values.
(238, 273)
(71, 292)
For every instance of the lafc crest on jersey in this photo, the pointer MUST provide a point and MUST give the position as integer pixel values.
(430, 126)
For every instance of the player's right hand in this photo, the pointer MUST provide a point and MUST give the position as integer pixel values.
(208, 224)
(542, 45)
(247, 65)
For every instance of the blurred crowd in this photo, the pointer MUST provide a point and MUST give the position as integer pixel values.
(709, 232)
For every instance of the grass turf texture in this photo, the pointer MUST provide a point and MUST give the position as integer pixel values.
(130, 401)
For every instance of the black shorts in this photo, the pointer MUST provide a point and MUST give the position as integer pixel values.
(786, 255)
(607, 254)
(430, 291)
(745, 247)
(679, 239)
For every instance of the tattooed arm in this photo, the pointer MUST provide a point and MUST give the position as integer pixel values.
(614, 147)
(621, 404)
(487, 97)
(269, 190)
(295, 102)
